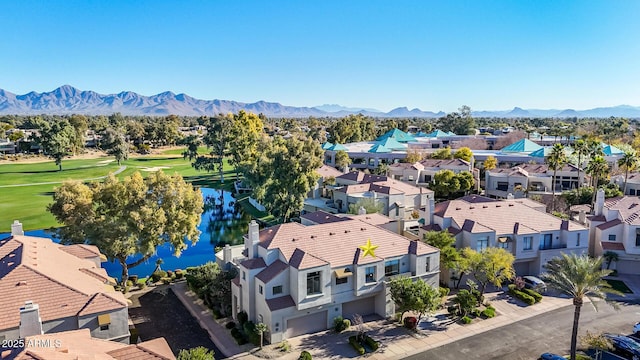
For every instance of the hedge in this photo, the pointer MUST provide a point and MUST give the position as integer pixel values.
(489, 313)
(526, 298)
(536, 296)
(356, 345)
(466, 320)
(374, 345)
(305, 355)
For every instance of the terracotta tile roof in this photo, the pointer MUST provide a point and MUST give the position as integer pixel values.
(279, 303)
(608, 245)
(327, 171)
(100, 274)
(609, 224)
(501, 217)
(78, 344)
(381, 184)
(82, 251)
(526, 169)
(373, 219)
(39, 270)
(627, 206)
(256, 263)
(322, 217)
(271, 271)
(99, 303)
(334, 243)
(415, 166)
(435, 163)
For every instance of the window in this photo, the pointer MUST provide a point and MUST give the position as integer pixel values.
(370, 274)
(342, 280)
(578, 239)
(502, 186)
(260, 289)
(612, 237)
(392, 267)
(503, 245)
(482, 244)
(637, 237)
(528, 243)
(244, 275)
(277, 290)
(428, 265)
(547, 242)
(313, 283)
(632, 191)
(104, 321)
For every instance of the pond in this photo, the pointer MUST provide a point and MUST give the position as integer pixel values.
(223, 222)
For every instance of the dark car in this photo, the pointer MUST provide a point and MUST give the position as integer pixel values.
(624, 346)
(550, 356)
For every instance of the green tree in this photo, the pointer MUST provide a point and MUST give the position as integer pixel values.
(135, 131)
(342, 159)
(410, 295)
(444, 241)
(16, 135)
(413, 156)
(114, 142)
(598, 342)
(580, 149)
(465, 301)
(80, 126)
(246, 131)
(578, 276)
(382, 169)
(191, 142)
(598, 169)
(445, 182)
(55, 139)
(461, 122)
(442, 154)
(129, 217)
(490, 163)
(369, 204)
(628, 161)
(464, 153)
(490, 266)
(218, 140)
(260, 329)
(557, 159)
(609, 257)
(197, 353)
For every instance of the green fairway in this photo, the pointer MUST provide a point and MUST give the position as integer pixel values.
(28, 203)
(179, 151)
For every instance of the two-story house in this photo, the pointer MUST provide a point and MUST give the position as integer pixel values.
(296, 279)
(47, 287)
(633, 183)
(615, 226)
(320, 197)
(531, 179)
(520, 226)
(421, 173)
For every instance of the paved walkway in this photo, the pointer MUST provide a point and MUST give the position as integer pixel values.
(396, 342)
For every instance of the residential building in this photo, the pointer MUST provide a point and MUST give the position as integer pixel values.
(421, 173)
(296, 279)
(520, 226)
(527, 179)
(78, 344)
(47, 287)
(615, 226)
(320, 197)
(633, 183)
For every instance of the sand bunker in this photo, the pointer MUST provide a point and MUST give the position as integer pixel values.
(156, 168)
(105, 162)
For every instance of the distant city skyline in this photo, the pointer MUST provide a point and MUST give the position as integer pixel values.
(361, 54)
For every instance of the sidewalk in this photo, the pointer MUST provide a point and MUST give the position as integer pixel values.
(396, 342)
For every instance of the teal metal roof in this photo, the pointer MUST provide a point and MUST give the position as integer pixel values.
(438, 133)
(520, 146)
(611, 150)
(377, 148)
(392, 144)
(545, 151)
(397, 134)
(337, 147)
(421, 134)
(326, 145)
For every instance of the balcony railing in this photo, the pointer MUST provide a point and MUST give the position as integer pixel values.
(553, 246)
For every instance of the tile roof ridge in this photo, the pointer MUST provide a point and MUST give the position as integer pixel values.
(149, 351)
(52, 279)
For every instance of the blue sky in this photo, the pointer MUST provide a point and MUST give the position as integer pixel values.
(432, 55)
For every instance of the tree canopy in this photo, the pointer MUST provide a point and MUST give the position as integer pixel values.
(129, 217)
(490, 266)
(56, 139)
(410, 295)
(463, 153)
(446, 183)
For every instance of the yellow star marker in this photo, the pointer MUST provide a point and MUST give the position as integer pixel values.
(368, 248)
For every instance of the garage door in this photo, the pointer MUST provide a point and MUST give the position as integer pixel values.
(522, 268)
(363, 307)
(627, 267)
(306, 324)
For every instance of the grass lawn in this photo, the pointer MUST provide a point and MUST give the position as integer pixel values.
(28, 203)
(180, 150)
(620, 286)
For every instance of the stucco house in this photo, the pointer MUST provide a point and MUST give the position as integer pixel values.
(296, 279)
(615, 226)
(633, 183)
(421, 173)
(520, 226)
(531, 179)
(50, 288)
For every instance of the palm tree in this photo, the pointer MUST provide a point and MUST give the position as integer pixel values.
(609, 257)
(597, 168)
(556, 160)
(629, 161)
(578, 276)
(580, 148)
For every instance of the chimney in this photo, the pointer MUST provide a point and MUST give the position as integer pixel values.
(251, 241)
(30, 322)
(582, 217)
(16, 228)
(362, 210)
(226, 254)
(599, 205)
(510, 196)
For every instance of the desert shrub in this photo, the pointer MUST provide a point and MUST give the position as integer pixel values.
(452, 310)
(444, 291)
(179, 274)
(410, 322)
(374, 345)
(142, 285)
(230, 325)
(166, 280)
(286, 347)
(353, 340)
(535, 295)
(340, 324)
(466, 320)
(488, 313)
(157, 275)
(250, 332)
(305, 355)
(242, 317)
(237, 335)
(476, 312)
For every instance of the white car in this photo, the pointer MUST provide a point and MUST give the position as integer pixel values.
(636, 328)
(533, 283)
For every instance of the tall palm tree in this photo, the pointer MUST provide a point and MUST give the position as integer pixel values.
(597, 168)
(556, 160)
(578, 276)
(580, 148)
(629, 161)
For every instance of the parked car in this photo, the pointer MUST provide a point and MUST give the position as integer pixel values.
(636, 328)
(535, 284)
(624, 346)
(550, 356)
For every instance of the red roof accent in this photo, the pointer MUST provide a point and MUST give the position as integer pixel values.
(282, 302)
(608, 245)
(609, 224)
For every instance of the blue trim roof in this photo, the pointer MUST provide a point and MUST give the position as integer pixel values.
(377, 148)
(397, 134)
(392, 144)
(326, 145)
(523, 145)
(337, 147)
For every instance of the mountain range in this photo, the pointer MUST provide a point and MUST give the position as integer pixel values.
(69, 100)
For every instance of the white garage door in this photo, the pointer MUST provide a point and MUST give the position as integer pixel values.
(363, 307)
(306, 324)
(627, 267)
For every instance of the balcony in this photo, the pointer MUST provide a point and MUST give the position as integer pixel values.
(552, 246)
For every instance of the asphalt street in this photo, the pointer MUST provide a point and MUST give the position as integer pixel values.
(549, 332)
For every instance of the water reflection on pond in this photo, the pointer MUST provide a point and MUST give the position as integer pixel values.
(223, 222)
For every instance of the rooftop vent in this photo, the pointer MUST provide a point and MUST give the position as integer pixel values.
(458, 208)
(21, 283)
(347, 231)
(498, 205)
(313, 236)
(510, 204)
(472, 207)
(332, 233)
(484, 206)
(363, 229)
